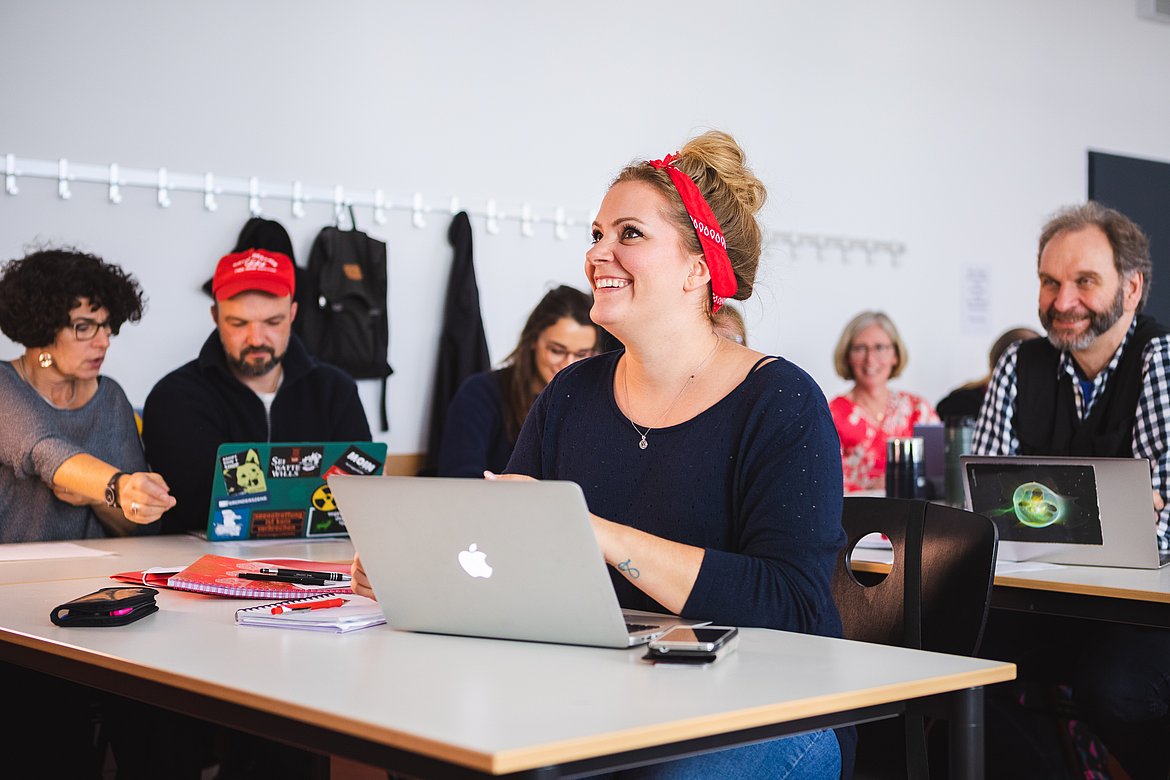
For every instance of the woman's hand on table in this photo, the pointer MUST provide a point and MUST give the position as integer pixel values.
(360, 583)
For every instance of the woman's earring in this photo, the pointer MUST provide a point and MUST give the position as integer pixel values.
(45, 359)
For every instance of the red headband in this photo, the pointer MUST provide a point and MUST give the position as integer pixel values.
(723, 284)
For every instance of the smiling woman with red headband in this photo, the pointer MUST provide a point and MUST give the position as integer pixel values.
(712, 471)
(71, 463)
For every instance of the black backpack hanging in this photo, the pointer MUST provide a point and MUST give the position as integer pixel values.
(343, 317)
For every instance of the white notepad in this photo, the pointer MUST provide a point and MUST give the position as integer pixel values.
(357, 612)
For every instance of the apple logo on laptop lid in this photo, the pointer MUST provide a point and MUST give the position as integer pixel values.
(474, 562)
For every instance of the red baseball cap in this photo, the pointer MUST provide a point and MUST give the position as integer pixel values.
(253, 269)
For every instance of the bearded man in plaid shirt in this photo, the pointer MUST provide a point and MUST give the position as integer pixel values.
(1098, 385)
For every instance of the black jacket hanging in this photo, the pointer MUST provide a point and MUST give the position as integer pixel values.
(462, 344)
(261, 233)
(343, 318)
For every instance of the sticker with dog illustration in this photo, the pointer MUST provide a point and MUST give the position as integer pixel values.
(243, 476)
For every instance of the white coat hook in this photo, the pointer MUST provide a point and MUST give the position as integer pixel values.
(454, 205)
(492, 223)
(526, 228)
(164, 195)
(254, 207)
(559, 224)
(209, 202)
(338, 204)
(115, 185)
(416, 211)
(10, 174)
(63, 179)
(298, 199)
(380, 207)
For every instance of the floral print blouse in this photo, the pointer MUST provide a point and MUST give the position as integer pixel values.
(863, 440)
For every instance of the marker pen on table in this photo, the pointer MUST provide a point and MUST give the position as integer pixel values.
(299, 580)
(333, 576)
(324, 604)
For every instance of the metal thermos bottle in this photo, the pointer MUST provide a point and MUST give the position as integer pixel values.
(905, 475)
(957, 437)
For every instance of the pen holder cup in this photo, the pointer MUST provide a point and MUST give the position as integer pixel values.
(905, 474)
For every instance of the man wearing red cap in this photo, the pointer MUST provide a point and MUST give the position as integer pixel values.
(253, 381)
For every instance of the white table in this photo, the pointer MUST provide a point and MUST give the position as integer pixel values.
(1117, 595)
(467, 707)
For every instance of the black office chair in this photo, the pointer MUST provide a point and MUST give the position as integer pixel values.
(935, 597)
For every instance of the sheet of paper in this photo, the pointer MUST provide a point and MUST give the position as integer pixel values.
(38, 551)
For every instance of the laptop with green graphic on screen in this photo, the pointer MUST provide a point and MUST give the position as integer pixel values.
(276, 490)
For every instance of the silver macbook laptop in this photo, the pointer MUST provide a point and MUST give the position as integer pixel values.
(1090, 511)
(506, 560)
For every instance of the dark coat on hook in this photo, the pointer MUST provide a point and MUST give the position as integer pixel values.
(261, 233)
(462, 344)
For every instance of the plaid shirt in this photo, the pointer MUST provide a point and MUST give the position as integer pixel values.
(994, 434)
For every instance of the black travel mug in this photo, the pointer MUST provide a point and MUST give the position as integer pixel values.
(904, 468)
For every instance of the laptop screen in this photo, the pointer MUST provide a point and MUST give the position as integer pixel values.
(264, 490)
(1054, 503)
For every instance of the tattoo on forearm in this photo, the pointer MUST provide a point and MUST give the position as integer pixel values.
(625, 566)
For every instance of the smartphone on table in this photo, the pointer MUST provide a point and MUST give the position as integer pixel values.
(693, 644)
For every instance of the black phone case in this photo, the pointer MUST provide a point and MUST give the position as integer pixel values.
(98, 608)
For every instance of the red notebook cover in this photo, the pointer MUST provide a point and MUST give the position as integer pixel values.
(217, 575)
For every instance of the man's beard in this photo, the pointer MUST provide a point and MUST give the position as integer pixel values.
(1099, 322)
(246, 367)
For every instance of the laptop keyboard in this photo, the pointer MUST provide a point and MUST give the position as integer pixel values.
(637, 628)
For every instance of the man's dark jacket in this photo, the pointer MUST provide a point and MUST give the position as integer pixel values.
(197, 407)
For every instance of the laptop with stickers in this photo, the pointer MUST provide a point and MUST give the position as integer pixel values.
(269, 490)
(1089, 511)
(503, 560)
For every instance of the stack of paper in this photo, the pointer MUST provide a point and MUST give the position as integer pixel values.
(356, 612)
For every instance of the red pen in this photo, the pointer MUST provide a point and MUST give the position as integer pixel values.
(323, 604)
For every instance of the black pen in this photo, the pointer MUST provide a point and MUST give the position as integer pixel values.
(247, 575)
(333, 576)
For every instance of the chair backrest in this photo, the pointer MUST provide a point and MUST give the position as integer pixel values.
(937, 592)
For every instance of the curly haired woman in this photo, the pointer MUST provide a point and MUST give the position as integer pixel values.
(71, 462)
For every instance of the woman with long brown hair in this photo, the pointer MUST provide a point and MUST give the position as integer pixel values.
(489, 409)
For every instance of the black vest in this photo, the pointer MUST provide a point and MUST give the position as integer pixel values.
(1046, 421)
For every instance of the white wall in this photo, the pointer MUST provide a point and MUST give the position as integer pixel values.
(954, 128)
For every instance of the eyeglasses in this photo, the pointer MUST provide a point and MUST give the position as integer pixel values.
(86, 330)
(558, 354)
(863, 350)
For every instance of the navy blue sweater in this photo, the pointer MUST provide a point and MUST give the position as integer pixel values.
(475, 436)
(755, 481)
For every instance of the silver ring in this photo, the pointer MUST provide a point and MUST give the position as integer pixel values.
(133, 507)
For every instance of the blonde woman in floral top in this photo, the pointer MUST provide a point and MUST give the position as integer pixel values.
(871, 353)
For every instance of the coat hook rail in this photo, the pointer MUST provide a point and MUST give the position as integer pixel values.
(211, 187)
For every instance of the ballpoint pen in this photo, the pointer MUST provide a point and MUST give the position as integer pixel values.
(299, 580)
(324, 604)
(334, 576)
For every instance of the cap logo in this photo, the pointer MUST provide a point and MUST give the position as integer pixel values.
(254, 262)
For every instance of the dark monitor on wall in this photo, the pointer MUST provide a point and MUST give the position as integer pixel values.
(1140, 189)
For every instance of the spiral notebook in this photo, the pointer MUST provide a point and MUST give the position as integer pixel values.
(357, 612)
(219, 575)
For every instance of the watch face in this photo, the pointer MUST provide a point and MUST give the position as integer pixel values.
(112, 489)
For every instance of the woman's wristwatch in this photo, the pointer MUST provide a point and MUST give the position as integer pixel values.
(112, 498)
